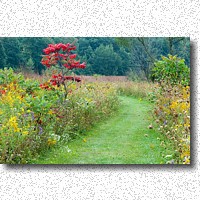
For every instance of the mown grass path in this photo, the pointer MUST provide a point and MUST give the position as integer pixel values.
(123, 138)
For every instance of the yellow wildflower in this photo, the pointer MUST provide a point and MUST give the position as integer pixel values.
(19, 98)
(50, 112)
(8, 99)
(174, 104)
(88, 100)
(187, 124)
(25, 132)
(183, 106)
(13, 123)
(51, 141)
(12, 120)
(187, 161)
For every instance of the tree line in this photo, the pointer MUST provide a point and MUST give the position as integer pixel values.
(103, 55)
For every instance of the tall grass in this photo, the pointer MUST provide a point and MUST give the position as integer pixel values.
(33, 119)
(172, 113)
(135, 89)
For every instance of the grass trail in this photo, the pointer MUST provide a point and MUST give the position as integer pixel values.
(122, 139)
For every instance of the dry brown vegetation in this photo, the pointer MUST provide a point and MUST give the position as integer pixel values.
(104, 78)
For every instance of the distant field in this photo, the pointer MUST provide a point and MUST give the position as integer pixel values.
(105, 78)
(84, 78)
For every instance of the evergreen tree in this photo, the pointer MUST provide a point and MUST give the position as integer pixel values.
(12, 51)
(33, 47)
(106, 61)
(126, 61)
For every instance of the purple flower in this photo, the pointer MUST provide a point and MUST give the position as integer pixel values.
(32, 115)
(40, 130)
(26, 115)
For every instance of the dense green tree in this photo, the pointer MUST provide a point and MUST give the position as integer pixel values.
(2, 55)
(106, 61)
(87, 56)
(30, 64)
(181, 47)
(83, 47)
(125, 61)
(33, 47)
(12, 50)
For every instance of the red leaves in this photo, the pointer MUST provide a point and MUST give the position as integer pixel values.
(52, 48)
(49, 61)
(45, 86)
(72, 64)
(72, 56)
(54, 76)
(58, 46)
(82, 66)
(49, 49)
(2, 92)
(77, 79)
(59, 79)
(53, 82)
(71, 78)
(61, 54)
(67, 66)
(46, 62)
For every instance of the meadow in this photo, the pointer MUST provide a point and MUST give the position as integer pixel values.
(136, 122)
(35, 120)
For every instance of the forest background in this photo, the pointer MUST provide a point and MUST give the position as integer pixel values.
(108, 56)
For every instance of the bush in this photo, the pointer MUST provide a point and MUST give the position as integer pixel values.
(7, 76)
(171, 70)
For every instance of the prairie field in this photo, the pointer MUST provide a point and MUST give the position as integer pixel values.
(36, 122)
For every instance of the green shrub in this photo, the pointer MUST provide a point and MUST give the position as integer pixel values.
(7, 76)
(171, 70)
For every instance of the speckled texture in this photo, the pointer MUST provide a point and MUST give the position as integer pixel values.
(106, 18)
